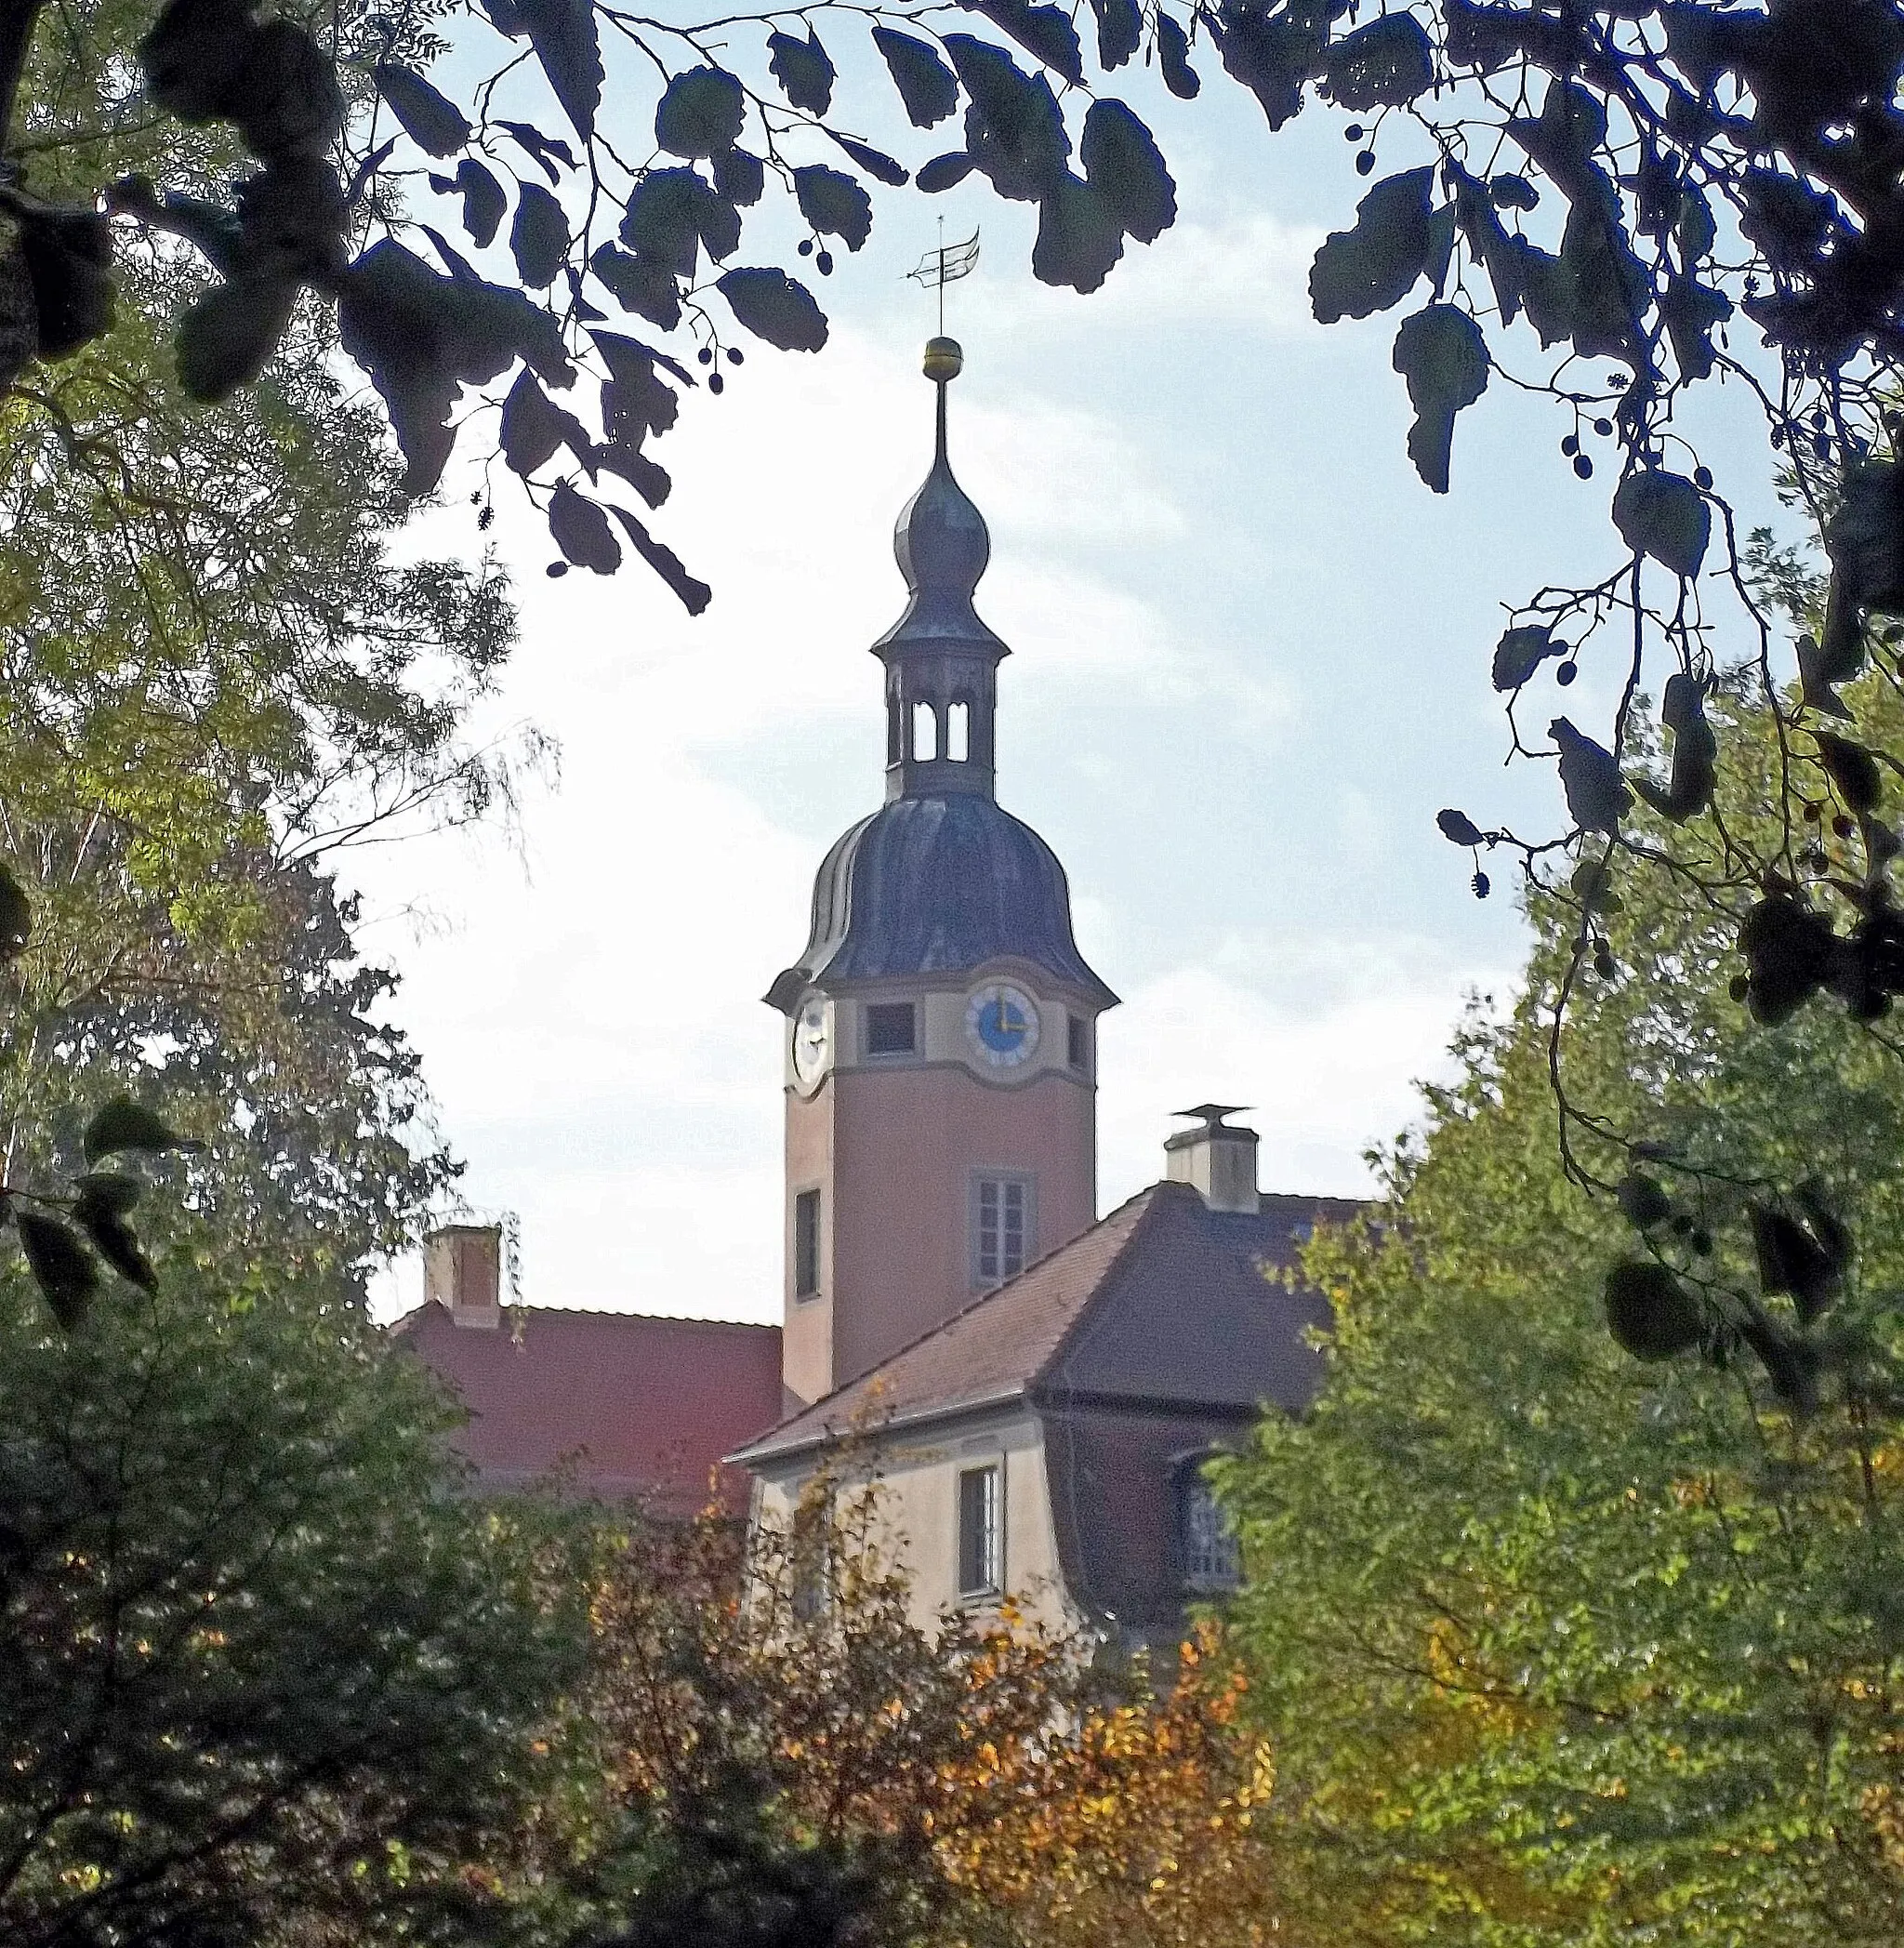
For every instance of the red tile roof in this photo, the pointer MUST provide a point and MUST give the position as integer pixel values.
(1163, 1301)
(641, 1406)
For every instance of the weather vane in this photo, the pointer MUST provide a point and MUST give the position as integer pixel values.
(946, 265)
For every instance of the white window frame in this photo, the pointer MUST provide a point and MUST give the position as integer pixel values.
(992, 1587)
(991, 1260)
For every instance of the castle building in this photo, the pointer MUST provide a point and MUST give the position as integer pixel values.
(1037, 1387)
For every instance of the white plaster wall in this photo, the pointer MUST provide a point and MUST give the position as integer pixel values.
(919, 1486)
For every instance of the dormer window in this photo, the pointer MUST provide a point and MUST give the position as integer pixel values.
(892, 1028)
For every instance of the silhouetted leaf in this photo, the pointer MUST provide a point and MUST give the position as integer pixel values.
(1119, 31)
(1665, 516)
(1642, 1203)
(1865, 540)
(123, 1124)
(803, 70)
(194, 57)
(648, 479)
(1124, 166)
(567, 43)
(640, 284)
(741, 176)
(1173, 58)
(112, 1237)
(226, 336)
(773, 305)
(1520, 653)
(1607, 287)
(1383, 64)
(944, 172)
(539, 236)
(438, 127)
(534, 426)
(1649, 1312)
(69, 260)
(1045, 32)
(288, 103)
(1694, 754)
(1691, 310)
(1273, 55)
(15, 916)
(694, 595)
(1459, 827)
(700, 113)
(834, 204)
(1791, 1259)
(61, 1266)
(1853, 772)
(875, 162)
(1373, 266)
(1597, 798)
(639, 401)
(1441, 353)
(1078, 237)
(1789, 1363)
(484, 202)
(926, 84)
(547, 151)
(1790, 951)
(671, 213)
(114, 1190)
(1014, 129)
(582, 532)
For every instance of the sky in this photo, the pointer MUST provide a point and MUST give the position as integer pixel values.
(1249, 663)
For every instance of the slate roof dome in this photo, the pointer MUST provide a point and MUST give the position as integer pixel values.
(938, 885)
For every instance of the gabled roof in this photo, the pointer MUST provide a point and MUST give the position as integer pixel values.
(636, 1405)
(1165, 1301)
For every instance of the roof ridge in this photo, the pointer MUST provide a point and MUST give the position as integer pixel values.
(1109, 1276)
(666, 1319)
(984, 1298)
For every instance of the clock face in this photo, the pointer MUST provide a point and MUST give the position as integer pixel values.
(1001, 1024)
(810, 1040)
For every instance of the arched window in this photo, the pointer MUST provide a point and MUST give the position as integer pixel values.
(1206, 1544)
(925, 734)
(958, 732)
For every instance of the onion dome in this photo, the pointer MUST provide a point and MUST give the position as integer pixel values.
(938, 886)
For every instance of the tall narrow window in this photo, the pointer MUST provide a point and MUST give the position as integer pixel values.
(892, 1028)
(1212, 1559)
(980, 1571)
(1002, 1229)
(925, 733)
(806, 1244)
(1076, 1042)
(958, 733)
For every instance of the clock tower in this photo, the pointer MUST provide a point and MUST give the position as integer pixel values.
(942, 1025)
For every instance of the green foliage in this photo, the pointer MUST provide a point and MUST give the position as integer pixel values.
(267, 1675)
(1556, 1647)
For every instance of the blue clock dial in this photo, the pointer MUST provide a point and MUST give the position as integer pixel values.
(1002, 1024)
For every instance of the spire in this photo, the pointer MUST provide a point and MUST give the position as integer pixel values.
(941, 659)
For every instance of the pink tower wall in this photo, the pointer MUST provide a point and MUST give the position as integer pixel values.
(892, 1153)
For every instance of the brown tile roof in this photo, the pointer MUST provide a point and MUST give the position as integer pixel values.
(640, 1405)
(1164, 1300)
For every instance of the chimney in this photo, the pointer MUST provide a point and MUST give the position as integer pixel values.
(462, 1268)
(1218, 1161)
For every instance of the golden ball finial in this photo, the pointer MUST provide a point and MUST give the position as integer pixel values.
(943, 360)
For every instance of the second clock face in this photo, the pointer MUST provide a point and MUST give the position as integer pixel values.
(810, 1042)
(1001, 1025)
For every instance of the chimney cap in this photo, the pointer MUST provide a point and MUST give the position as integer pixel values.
(1212, 1113)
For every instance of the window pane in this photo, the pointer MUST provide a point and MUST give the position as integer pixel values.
(890, 1028)
(806, 1244)
(978, 1532)
(1212, 1559)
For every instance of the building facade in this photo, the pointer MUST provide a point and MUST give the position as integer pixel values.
(1035, 1388)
